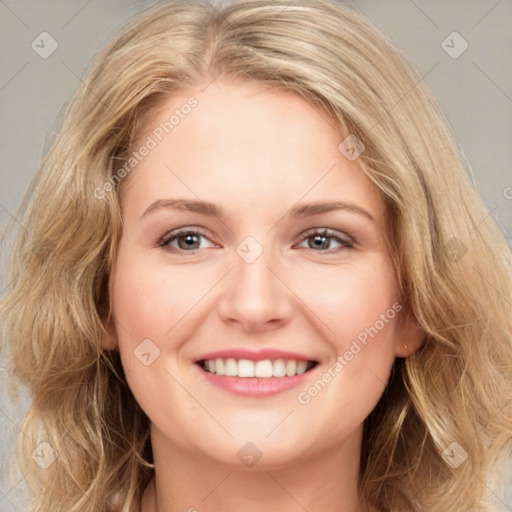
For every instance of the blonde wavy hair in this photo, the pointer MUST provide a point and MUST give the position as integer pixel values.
(453, 264)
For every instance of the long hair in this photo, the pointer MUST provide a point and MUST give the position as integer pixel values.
(443, 426)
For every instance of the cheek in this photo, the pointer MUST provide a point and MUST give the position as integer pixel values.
(148, 299)
(348, 299)
(360, 306)
(147, 304)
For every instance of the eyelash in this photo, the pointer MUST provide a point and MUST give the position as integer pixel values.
(174, 235)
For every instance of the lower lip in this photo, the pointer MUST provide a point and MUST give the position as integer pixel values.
(254, 386)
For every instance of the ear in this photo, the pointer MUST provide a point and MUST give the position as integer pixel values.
(111, 342)
(409, 334)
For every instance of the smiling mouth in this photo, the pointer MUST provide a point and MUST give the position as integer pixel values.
(265, 369)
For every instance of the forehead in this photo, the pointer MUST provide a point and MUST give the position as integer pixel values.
(245, 144)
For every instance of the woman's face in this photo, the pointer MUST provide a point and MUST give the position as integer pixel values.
(257, 283)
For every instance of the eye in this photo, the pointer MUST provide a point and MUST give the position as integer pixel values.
(188, 240)
(322, 240)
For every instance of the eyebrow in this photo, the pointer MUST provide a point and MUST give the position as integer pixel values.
(214, 210)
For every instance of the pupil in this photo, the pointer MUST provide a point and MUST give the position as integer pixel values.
(189, 240)
(321, 239)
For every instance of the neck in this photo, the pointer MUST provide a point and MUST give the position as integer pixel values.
(184, 481)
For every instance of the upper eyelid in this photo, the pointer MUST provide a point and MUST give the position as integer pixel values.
(183, 231)
(328, 232)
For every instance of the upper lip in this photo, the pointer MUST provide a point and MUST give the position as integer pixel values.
(254, 355)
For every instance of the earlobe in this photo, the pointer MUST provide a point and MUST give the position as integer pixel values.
(410, 335)
(110, 341)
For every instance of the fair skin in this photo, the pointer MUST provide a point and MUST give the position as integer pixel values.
(256, 153)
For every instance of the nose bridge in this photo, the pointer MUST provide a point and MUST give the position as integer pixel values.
(254, 295)
(257, 284)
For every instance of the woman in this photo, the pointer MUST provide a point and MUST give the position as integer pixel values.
(254, 275)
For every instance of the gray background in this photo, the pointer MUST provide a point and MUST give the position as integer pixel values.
(474, 90)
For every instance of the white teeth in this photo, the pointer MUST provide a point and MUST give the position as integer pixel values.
(301, 367)
(245, 368)
(291, 368)
(279, 368)
(263, 369)
(231, 368)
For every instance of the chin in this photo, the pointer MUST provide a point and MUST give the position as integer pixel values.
(256, 452)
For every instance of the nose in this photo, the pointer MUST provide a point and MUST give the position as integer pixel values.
(255, 296)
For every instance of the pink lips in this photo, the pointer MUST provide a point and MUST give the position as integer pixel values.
(254, 386)
(255, 355)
